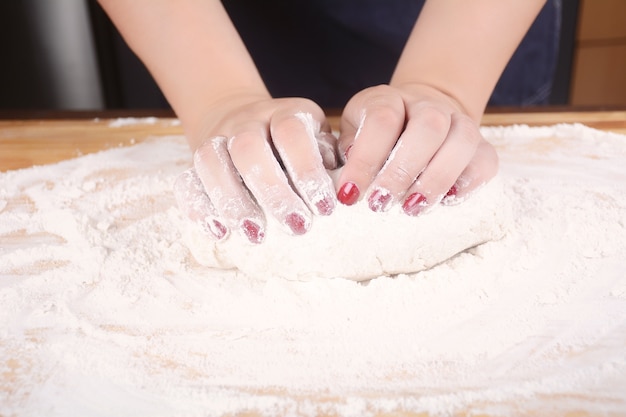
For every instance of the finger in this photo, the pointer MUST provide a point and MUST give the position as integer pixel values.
(347, 132)
(255, 161)
(226, 190)
(424, 134)
(482, 168)
(327, 146)
(194, 203)
(295, 137)
(445, 167)
(367, 142)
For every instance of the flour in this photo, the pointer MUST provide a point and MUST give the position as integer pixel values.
(104, 310)
(357, 243)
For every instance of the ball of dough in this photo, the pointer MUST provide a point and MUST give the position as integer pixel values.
(359, 244)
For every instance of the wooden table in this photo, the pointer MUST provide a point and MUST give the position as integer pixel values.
(28, 142)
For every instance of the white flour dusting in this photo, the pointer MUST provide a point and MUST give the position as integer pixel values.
(104, 311)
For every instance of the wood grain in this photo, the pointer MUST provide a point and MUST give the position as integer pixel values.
(602, 20)
(600, 55)
(598, 76)
(24, 143)
(34, 142)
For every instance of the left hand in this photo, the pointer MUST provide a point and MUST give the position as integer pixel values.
(259, 156)
(413, 145)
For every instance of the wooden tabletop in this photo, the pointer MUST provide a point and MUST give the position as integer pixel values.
(27, 142)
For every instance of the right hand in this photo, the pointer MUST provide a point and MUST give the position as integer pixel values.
(256, 156)
(412, 145)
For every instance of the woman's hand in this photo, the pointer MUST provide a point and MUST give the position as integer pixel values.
(412, 145)
(255, 156)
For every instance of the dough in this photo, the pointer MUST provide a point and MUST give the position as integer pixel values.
(358, 244)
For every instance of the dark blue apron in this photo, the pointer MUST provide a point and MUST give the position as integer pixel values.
(327, 50)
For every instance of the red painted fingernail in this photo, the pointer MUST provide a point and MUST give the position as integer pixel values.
(217, 229)
(348, 194)
(253, 231)
(379, 200)
(297, 223)
(450, 195)
(414, 204)
(325, 206)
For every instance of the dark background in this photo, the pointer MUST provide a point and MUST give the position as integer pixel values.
(67, 55)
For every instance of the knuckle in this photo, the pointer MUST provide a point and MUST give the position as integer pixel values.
(288, 128)
(384, 114)
(299, 118)
(400, 175)
(467, 131)
(434, 118)
(384, 101)
(242, 141)
(303, 103)
(296, 107)
(381, 90)
(207, 150)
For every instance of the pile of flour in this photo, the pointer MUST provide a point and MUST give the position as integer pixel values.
(104, 310)
(359, 244)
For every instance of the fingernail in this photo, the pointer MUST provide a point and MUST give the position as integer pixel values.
(379, 200)
(253, 231)
(325, 206)
(414, 204)
(450, 196)
(348, 194)
(216, 228)
(297, 223)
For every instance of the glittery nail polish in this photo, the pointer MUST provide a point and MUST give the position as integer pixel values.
(379, 200)
(325, 206)
(253, 231)
(217, 229)
(297, 223)
(414, 204)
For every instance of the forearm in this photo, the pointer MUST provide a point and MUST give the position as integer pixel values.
(461, 47)
(192, 50)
